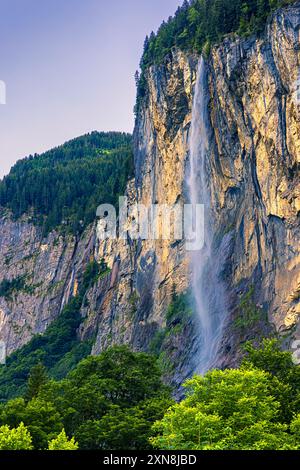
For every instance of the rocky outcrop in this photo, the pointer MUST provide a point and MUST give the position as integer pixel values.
(254, 163)
(253, 174)
(47, 270)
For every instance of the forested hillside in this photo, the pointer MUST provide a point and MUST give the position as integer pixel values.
(64, 186)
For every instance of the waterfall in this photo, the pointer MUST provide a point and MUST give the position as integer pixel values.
(206, 264)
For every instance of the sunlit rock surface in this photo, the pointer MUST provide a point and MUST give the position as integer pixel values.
(253, 171)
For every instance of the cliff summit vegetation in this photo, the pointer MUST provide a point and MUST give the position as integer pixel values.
(198, 24)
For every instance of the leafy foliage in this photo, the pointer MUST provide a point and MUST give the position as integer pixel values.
(199, 22)
(37, 378)
(50, 348)
(61, 442)
(94, 271)
(250, 314)
(179, 309)
(252, 408)
(15, 439)
(118, 401)
(64, 186)
(40, 418)
(279, 364)
(107, 402)
(8, 287)
(225, 410)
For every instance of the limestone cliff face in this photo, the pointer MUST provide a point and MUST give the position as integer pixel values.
(49, 269)
(254, 163)
(144, 272)
(253, 173)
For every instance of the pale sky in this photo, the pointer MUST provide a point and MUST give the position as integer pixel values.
(69, 68)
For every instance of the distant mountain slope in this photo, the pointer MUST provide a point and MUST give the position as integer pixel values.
(64, 186)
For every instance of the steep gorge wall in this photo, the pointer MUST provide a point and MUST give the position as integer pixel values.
(49, 269)
(253, 171)
(134, 309)
(254, 163)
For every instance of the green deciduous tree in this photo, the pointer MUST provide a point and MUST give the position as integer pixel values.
(231, 409)
(116, 383)
(15, 439)
(62, 442)
(40, 417)
(286, 375)
(106, 402)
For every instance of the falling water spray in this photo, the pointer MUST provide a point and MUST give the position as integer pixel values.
(206, 264)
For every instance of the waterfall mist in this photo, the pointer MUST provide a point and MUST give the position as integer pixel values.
(206, 264)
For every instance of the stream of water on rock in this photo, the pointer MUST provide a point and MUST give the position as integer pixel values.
(206, 264)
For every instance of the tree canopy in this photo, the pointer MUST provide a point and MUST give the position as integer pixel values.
(227, 410)
(199, 21)
(106, 402)
(15, 439)
(117, 401)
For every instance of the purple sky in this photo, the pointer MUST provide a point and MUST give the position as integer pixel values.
(69, 68)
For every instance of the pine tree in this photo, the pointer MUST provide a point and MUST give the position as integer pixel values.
(146, 44)
(137, 78)
(37, 378)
